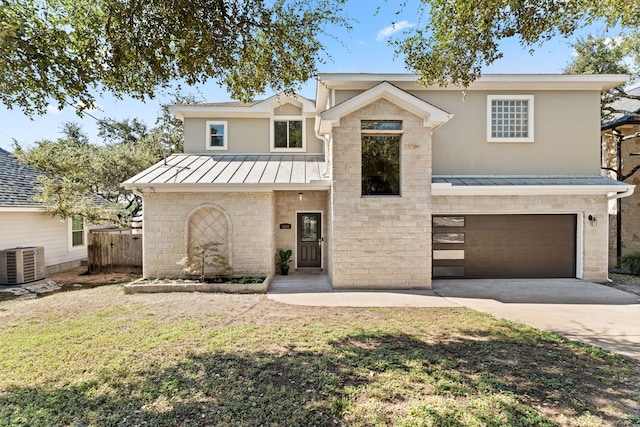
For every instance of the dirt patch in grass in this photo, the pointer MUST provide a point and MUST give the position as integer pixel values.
(81, 276)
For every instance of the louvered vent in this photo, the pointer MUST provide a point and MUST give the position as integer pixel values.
(21, 265)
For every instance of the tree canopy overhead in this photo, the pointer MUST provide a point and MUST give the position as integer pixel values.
(66, 51)
(461, 37)
(76, 170)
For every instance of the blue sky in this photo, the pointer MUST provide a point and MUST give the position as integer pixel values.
(364, 49)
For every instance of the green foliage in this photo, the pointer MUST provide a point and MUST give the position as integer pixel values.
(77, 170)
(602, 55)
(599, 55)
(207, 261)
(461, 37)
(283, 258)
(632, 262)
(64, 52)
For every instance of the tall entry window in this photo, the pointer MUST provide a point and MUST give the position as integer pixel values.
(381, 157)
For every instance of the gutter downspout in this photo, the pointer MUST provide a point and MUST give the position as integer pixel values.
(618, 196)
(622, 194)
(327, 147)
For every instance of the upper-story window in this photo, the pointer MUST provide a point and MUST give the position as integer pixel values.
(381, 157)
(216, 135)
(287, 133)
(510, 118)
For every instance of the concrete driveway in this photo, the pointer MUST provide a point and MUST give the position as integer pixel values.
(582, 311)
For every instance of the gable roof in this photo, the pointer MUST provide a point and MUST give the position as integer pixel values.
(433, 116)
(261, 108)
(17, 182)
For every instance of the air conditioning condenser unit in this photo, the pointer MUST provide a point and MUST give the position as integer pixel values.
(21, 265)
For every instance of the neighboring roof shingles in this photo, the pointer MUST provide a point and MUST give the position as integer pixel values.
(17, 182)
(233, 169)
(624, 104)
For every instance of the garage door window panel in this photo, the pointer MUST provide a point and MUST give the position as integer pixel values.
(448, 238)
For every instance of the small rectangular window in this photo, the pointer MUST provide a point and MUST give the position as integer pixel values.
(287, 134)
(448, 254)
(448, 221)
(216, 135)
(446, 238)
(381, 125)
(77, 231)
(510, 118)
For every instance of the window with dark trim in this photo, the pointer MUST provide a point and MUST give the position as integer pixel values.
(381, 157)
(287, 134)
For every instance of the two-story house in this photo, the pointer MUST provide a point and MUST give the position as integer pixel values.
(383, 183)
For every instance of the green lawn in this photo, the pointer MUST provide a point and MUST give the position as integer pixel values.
(98, 357)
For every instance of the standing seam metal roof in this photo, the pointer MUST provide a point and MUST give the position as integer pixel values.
(233, 169)
(524, 180)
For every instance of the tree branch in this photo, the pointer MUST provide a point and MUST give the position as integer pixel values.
(635, 169)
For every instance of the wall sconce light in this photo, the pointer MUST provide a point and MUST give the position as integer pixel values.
(593, 220)
(300, 195)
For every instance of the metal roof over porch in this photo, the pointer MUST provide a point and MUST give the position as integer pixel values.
(224, 170)
(531, 185)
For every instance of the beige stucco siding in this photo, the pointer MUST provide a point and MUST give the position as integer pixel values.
(561, 147)
(251, 220)
(381, 241)
(245, 135)
(22, 229)
(592, 257)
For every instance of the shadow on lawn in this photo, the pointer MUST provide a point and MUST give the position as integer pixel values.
(363, 379)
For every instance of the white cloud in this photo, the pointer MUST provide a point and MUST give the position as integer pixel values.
(392, 29)
(52, 109)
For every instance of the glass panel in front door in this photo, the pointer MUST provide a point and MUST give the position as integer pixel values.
(309, 228)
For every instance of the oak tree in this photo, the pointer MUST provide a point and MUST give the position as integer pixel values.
(69, 51)
(460, 37)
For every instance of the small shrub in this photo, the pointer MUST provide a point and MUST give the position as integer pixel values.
(632, 262)
(207, 263)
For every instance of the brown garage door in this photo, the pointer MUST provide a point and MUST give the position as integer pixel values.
(504, 246)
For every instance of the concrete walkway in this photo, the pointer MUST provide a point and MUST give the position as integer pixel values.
(582, 311)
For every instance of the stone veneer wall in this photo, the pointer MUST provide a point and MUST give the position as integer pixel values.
(288, 203)
(594, 247)
(251, 219)
(381, 242)
(630, 205)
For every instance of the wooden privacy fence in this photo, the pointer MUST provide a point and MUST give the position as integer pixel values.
(114, 251)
